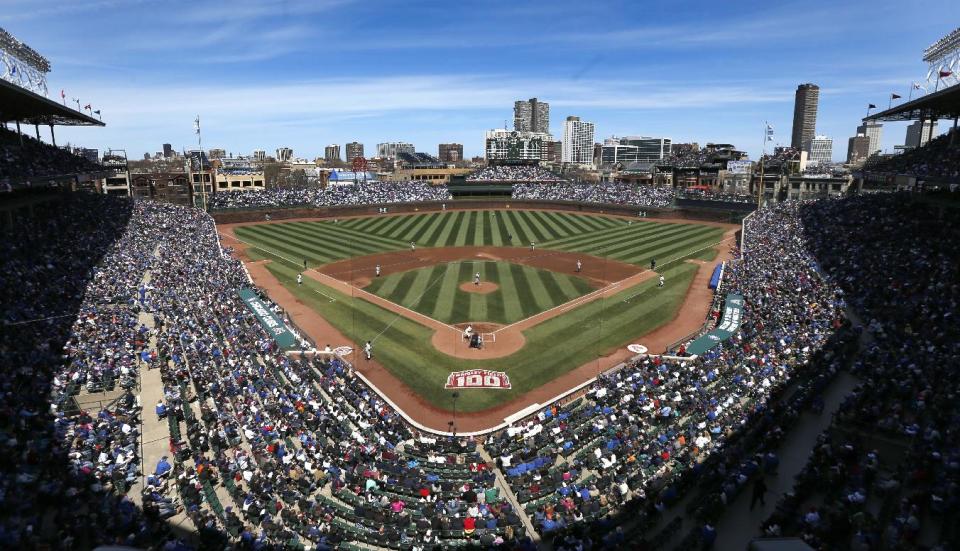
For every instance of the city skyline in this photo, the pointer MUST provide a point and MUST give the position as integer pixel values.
(696, 81)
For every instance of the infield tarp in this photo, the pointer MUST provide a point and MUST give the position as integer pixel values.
(270, 322)
(729, 324)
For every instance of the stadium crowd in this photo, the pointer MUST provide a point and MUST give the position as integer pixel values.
(518, 174)
(887, 473)
(937, 160)
(35, 159)
(300, 449)
(335, 195)
(605, 192)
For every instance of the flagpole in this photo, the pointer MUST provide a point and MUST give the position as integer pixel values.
(203, 185)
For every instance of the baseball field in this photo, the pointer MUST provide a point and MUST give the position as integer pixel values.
(541, 315)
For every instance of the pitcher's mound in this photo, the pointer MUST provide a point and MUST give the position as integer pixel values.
(484, 288)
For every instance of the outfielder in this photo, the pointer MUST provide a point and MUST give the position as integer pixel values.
(661, 281)
(413, 246)
(299, 279)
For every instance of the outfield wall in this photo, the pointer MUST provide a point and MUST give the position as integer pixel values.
(691, 213)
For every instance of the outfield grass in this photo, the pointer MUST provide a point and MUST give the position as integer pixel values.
(524, 291)
(552, 348)
(635, 242)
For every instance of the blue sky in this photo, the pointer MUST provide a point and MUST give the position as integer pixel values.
(304, 74)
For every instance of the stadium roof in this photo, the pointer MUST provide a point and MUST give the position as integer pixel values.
(18, 104)
(943, 104)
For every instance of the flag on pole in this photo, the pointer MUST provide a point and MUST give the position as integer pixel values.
(895, 96)
(196, 126)
(916, 86)
(871, 106)
(97, 112)
(87, 107)
(62, 94)
(945, 74)
(769, 132)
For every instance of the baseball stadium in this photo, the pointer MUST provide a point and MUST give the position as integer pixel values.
(513, 358)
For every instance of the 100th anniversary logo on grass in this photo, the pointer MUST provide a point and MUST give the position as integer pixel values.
(478, 378)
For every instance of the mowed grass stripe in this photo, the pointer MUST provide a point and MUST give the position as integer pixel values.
(393, 223)
(512, 309)
(560, 226)
(455, 223)
(624, 248)
(569, 287)
(478, 303)
(615, 247)
(639, 230)
(548, 281)
(528, 301)
(376, 225)
(295, 248)
(507, 235)
(513, 229)
(403, 227)
(417, 286)
(489, 220)
(432, 237)
(460, 305)
(276, 249)
(535, 232)
(536, 224)
(443, 309)
(417, 230)
(462, 229)
(476, 218)
(446, 229)
(338, 234)
(526, 234)
(496, 234)
(428, 237)
(615, 237)
(675, 249)
(343, 247)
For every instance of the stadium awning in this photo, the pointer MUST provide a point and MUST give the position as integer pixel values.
(943, 104)
(17, 104)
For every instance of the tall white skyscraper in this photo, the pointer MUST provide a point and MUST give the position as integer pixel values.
(918, 136)
(577, 141)
(874, 131)
(821, 150)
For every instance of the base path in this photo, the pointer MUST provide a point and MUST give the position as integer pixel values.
(688, 319)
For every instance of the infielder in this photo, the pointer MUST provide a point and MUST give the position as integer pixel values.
(413, 246)
(579, 265)
(299, 279)
(377, 270)
(368, 350)
(661, 281)
(533, 246)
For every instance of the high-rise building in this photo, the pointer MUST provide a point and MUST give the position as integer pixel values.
(331, 152)
(390, 150)
(531, 115)
(821, 150)
(577, 141)
(284, 154)
(858, 149)
(450, 152)
(259, 155)
(354, 150)
(167, 151)
(874, 131)
(554, 152)
(805, 115)
(918, 136)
